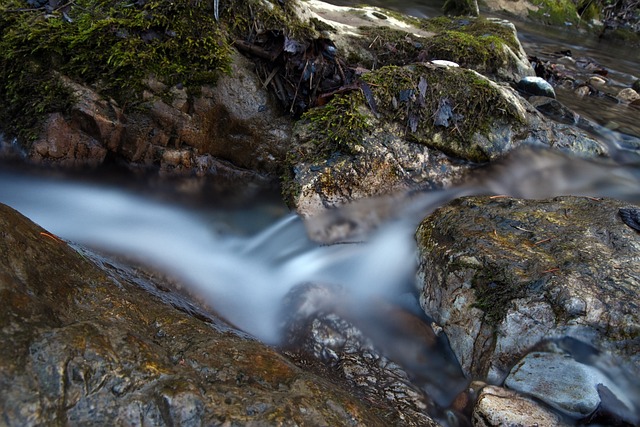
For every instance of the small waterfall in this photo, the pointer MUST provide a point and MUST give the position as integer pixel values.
(245, 278)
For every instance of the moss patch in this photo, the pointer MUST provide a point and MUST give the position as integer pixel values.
(475, 43)
(441, 108)
(113, 46)
(339, 125)
(555, 12)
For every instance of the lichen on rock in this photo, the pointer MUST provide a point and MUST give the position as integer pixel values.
(501, 274)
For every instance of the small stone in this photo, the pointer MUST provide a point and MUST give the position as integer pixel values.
(582, 91)
(445, 63)
(536, 86)
(597, 81)
(628, 95)
(497, 406)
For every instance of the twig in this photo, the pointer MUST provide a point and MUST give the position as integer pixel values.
(544, 240)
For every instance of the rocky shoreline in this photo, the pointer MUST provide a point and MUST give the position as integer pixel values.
(375, 104)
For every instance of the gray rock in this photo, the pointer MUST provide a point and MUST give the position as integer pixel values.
(497, 406)
(385, 353)
(563, 383)
(536, 86)
(502, 274)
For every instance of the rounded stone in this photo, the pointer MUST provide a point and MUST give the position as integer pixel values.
(497, 406)
(561, 382)
(536, 86)
(628, 95)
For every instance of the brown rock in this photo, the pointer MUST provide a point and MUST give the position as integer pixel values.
(88, 341)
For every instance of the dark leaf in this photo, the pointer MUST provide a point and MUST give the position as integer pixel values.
(444, 113)
(413, 122)
(631, 217)
(368, 95)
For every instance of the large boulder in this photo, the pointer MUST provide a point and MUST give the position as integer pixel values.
(237, 120)
(89, 341)
(421, 125)
(502, 274)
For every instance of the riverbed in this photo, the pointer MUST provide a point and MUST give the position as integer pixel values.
(244, 255)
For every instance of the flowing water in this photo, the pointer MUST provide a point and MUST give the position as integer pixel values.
(244, 258)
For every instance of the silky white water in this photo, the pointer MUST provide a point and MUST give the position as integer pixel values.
(245, 277)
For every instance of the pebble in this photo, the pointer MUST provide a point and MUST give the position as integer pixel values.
(628, 95)
(536, 86)
(596, 81)
(582, 91)
(445, 63)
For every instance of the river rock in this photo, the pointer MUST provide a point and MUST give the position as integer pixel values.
(372, 37)
(317, 329)
(90, 341)
(628, 95)
(501, 274)
(237, 120)
(387, 350)
(536, 86)
(571, 386)
(497, 406)
(417, 130)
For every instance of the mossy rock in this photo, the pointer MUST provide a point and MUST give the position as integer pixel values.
(555, 12)
(113, 46)
(488, 46)
(502, 274)
(407, 126)
(453, 110)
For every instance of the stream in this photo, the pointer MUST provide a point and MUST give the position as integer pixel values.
(244, 257)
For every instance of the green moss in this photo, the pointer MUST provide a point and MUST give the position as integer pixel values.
(478, 44)
(555, 12)
(114, 45)
(389, 46)
(109, 45)
(339, 125)
(495, 289)
(441, 108)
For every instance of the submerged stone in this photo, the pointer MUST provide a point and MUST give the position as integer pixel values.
(536, 86)
(563, 383)
(631, 217)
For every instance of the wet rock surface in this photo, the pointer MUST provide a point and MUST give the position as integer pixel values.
(385, 353)
(497, 406)
(88, 341)
(233, 129)
(500, 274)
(578, 381)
